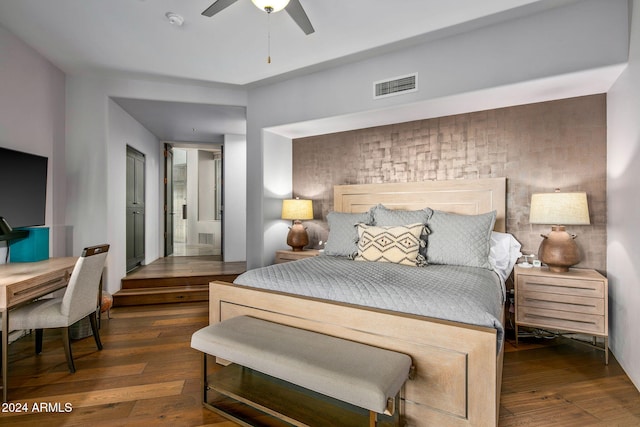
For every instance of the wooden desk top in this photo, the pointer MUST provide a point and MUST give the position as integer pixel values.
(21, 281)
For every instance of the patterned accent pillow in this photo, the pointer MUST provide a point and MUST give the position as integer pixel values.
(383, 216)
(396, 244)
(460, 239)
(343, 234)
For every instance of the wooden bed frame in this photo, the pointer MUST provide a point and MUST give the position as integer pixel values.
(458, 370)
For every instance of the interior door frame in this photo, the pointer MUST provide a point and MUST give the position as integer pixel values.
(221, 207)
(168, 208)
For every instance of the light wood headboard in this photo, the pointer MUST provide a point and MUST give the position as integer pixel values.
(468, 196)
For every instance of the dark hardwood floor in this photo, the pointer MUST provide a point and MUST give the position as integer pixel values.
(557, 382)
(147, 375)
(184, 267)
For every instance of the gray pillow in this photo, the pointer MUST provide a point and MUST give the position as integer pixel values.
(383, 216)
(460, 239)
(343, 233)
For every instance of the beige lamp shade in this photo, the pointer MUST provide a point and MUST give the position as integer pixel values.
(297, 209)
(559, 209)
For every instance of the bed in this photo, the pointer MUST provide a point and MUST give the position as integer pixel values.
(458, 361)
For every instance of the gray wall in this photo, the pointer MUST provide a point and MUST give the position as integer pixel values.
(277, 183)
(235, 201)
(123, 131)
(32, 96)
(623, 203)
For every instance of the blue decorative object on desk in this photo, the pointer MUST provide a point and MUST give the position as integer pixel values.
(34, 247)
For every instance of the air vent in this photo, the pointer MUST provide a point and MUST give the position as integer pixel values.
(395, 86)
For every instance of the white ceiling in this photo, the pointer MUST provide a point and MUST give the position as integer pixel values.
(230, 47)
(134, 36)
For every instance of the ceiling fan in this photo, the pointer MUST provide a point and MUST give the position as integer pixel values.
(293, 8)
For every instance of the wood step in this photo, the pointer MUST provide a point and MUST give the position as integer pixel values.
(161, 295)
(175, 279)
(162, 290)
(160, 282)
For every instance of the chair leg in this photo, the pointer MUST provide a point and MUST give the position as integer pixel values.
(38, 341)
(95, 330)
(66, 343)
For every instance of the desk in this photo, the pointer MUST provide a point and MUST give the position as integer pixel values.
(23, 282)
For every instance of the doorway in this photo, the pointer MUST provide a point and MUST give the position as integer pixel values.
(194, 202)
(169, 212)
(135, 207)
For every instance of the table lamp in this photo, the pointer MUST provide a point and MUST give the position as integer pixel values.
(558, 249)
(297, 210)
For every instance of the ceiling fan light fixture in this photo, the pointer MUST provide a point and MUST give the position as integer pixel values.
(271, 5)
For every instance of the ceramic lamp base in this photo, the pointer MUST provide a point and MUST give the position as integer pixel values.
(297, 237)
(559, 250)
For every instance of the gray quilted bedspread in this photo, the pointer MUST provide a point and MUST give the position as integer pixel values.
(463, 294)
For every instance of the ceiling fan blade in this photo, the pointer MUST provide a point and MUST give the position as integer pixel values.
(295, 11)
(217, 6)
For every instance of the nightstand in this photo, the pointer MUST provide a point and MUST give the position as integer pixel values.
(288, 255)
(571, 302)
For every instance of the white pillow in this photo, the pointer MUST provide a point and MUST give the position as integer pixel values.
(503, 253)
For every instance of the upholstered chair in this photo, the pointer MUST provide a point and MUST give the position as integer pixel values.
(80, 300)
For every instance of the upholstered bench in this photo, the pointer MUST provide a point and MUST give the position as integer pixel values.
(361, 375)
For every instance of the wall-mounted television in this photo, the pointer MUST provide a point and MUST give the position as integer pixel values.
(23, 188)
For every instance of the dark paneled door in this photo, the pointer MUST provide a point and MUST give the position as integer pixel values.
(168, 200)
(135, 208)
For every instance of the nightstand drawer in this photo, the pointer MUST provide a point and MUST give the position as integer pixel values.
(572, 302)
(288, 256)
(561, 320)
(562, 302)
(566, 286)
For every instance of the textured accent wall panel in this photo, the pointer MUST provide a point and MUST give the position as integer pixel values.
(538, 147)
